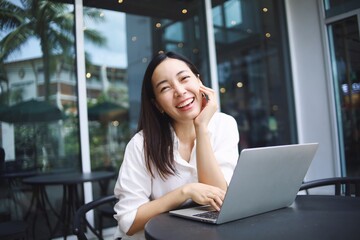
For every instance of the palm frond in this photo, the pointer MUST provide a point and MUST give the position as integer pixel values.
(95, 37)
(49, 21)
(64, 20)
(94, 15)
(11, 16)
(12, 42)
(61, 41)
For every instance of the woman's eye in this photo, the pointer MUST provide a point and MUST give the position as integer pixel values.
(164, 89)
(185, 77)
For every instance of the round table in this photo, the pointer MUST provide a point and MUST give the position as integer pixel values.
(309, 217)
(71, 200)
(16, 188)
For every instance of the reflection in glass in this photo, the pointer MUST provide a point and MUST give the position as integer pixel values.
(115, 69)
(344, 41)
(37, 63)
(253, 70)
(39, 122)
(107, 92)
(337, 7)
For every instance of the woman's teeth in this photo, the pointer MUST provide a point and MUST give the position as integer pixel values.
(187, 102)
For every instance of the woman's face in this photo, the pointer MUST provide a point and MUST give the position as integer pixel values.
(177, 90)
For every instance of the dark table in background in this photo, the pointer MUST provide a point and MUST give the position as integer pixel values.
(15, 187)
(71, 200)
(310, 217)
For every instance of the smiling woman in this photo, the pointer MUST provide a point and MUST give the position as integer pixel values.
(183, 84)
(239, 47)
(183, 150)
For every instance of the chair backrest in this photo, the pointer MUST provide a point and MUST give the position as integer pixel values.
(2, 160)
(79, 218)
(350, 185)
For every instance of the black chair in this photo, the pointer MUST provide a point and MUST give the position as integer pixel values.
(79, 219)
(105, 211)
(10, 229)
(2, 160)
(350, 185)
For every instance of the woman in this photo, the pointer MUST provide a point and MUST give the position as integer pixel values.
(184, 149)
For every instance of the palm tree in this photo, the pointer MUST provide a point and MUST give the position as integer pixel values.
(52, 23)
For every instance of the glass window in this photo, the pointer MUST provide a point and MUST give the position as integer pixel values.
(336, 7)
(38, 71)
(344, 38)
(130, 34)
(253, 68)
(233, 14)
(116, 63)
(38, 119)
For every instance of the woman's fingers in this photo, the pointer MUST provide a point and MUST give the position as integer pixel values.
(208, 91)
(207, 195)
(216, 202)
(216, 199)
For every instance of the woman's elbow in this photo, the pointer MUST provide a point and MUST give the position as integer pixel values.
(130, 233)
(132, 230)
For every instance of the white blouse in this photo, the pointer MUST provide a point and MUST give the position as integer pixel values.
(135, 186)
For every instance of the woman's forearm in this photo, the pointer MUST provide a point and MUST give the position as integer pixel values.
(148, 210)
(200, 193)
(209, 171)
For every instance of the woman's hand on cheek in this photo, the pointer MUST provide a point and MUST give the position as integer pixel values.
(208, 108)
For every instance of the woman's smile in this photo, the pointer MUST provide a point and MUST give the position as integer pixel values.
(186, 104)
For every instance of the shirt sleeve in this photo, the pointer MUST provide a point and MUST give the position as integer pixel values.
(225, 143)
(133, 186)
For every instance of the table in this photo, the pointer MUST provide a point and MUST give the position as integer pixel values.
(71, 200)
(14, 184)
(309, 217)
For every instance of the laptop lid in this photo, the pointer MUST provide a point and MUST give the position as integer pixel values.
(264, 179)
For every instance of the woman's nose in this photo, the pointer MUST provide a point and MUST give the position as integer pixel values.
(179, 90)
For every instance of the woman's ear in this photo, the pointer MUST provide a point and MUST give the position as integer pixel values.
(153, 101)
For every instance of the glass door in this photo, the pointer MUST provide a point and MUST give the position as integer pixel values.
(344, 42)
(129, 34)
(254, 70)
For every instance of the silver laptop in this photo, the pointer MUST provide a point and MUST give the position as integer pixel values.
(265, 179)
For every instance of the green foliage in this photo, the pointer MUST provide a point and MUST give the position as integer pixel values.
(49, 21)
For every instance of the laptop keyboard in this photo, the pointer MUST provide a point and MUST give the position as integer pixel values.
(209, 215)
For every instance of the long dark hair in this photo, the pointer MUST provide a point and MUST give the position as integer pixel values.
(156, 126)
